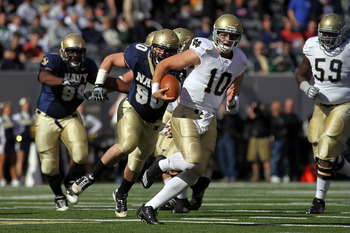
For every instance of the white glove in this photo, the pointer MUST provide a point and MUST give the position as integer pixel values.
(99, 93)
(311, 91)
(70, 82)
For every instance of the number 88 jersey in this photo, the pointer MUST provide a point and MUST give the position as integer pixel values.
(330, 70)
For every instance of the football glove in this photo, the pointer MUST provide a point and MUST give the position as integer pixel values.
(311, 91)
(70, 82)
(99, 93)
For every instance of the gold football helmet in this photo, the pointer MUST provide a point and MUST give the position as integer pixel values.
(231, 25)
(185, 37)
(73, 50)
(165, 44)
(331, 31)
(150, 37)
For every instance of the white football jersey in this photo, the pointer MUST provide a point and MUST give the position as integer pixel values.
(330, 70)
(205, 87)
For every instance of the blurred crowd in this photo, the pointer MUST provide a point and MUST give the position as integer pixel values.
(274, 30)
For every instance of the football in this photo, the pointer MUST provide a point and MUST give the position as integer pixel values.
(173, 84)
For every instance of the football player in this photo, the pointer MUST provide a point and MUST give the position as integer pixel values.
(326, 62)
(63, 77)
(166, 146)
(218, 72)
(139, 115)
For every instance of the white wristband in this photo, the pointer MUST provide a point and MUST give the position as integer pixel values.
(230, 104)
(121, 77)
(305, 86)
(101, 76)
(155, 87)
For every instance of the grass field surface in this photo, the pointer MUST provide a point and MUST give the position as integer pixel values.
(227, 207)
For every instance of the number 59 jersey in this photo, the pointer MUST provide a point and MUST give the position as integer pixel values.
(206, 85)
(331, 70)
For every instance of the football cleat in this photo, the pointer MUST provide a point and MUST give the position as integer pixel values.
(170, 205)
(61, 203)
(82, 183)
(318, 206)
(182, 206)
(198, 192)
(71, 196)
(148, 214)
(152, 173)
(121, 209)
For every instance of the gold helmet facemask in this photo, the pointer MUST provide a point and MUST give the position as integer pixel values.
(185, 38)
(331, 31)
(228, 24)
(164, 44)
(73, 50)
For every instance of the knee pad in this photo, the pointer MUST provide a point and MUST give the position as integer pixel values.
(329, 147)
(49, 167)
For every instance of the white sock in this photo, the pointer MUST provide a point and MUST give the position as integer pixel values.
(172, 188)
(322, 187)
(344, 170)
(183, 194)
(175, 162)
(167, 180)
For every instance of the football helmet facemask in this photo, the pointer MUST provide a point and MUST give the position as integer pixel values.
(231, 25)
(73, 50)
(185, 38)
(150, 37)
(165, 44)
(331, 31)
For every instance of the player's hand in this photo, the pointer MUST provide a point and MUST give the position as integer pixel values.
(230, 92)
(313, 92)
(70, 82)
(161, 96)
(99, 93)
(166, 131)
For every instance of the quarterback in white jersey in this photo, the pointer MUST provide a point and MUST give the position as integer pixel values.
(218, 72)
(327, 59)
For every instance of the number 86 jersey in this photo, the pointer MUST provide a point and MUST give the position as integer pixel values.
(331, 70)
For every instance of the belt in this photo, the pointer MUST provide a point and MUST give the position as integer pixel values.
(41, 112)
(329, 105)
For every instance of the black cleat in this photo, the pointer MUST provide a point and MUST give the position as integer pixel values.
(198, 192)
(61, 203)
(148, 214)
(170, 205)
(318, 206)
(152, 173)
(82, 183)
(121, 209)
(182, 206)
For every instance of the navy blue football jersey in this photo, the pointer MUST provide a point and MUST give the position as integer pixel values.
(138, 59)
(62, 101)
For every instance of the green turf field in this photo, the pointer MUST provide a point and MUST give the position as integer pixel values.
(234, 207)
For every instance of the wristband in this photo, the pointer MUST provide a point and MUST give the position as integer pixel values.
(304, 86)
(121, 77)
(101, 76)
(155, 87)
(233, 106)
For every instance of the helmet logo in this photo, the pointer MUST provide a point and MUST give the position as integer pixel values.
(230, 29)
(165, 45)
